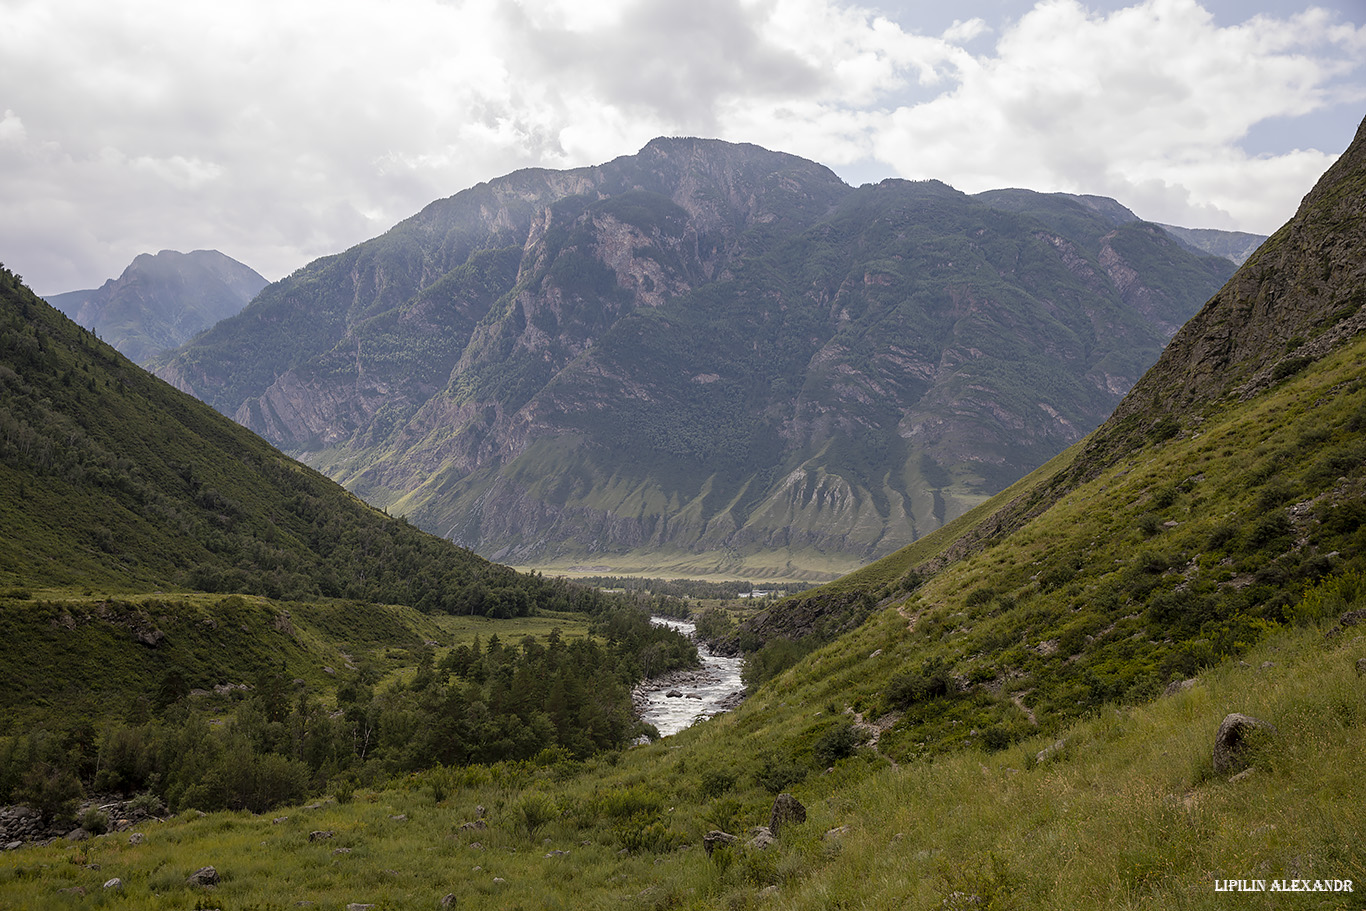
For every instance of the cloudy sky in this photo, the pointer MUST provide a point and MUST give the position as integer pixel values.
(281, 130)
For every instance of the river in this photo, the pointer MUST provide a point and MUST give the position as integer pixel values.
(699, 693)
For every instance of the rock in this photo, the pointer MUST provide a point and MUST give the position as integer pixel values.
(761, 838)
(341, 851)
(1231, 740)
(402, 817)
(1361, 667)
(1050, 751)
(114, 883)
(768, 892)
(77, 835)
(558, 854)
(673, 694)
(136, 838)
(319, 835)
(474, 826)
(447, 900)
(837, 832)
(204, 876)
(14, 845)
(150, 637)
(1241, 776)
(717, 839)
(786, 808)
(277, 820)
(1178, 686)
(1349, 619)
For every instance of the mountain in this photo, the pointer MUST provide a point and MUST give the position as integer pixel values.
(1290, 487)
(1026, 718)
(703, 358)
(162, 301)
(1235, 246)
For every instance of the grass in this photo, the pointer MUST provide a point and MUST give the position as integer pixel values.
(1127, 814)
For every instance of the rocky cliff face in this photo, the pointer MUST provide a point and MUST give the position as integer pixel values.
(702, 349)
(1299, 297)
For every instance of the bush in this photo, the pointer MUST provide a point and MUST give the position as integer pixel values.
(150, 804)
(535, 810)
(778, 775)
(95, 821)
(838, 742)
(911, 687)
(715, 782)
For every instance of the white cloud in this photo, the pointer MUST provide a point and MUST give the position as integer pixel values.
(1146, 104)
(280, 132)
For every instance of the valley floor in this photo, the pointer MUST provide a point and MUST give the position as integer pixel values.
(1123, 811)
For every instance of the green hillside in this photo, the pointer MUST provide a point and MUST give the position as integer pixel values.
(111, 479)
(158, 563)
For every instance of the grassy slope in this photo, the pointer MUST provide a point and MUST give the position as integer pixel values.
(1128, 813)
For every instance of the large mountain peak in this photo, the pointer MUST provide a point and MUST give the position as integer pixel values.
(162, 300)
(706, 348)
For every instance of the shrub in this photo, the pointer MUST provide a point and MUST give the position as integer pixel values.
(344, 788)
(777, 775)
(715, 782)
(535, 810)
(633, 801)
(95, 821)
(838, 742)
(50, 790)
(930, 682)
(149, 803)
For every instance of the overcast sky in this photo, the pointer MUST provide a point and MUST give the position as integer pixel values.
(278, 131)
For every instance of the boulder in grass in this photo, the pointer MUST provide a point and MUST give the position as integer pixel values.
(1230, 743)
(204, 876)
(717, 839)
(786, 808)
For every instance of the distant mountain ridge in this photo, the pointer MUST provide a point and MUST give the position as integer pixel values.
(1235, 246)
(715, 354)
(162, 301)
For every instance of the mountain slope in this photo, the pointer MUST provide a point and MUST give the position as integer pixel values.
(716, 355)
(1296, 301)
(162, 301)
(112, 478)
